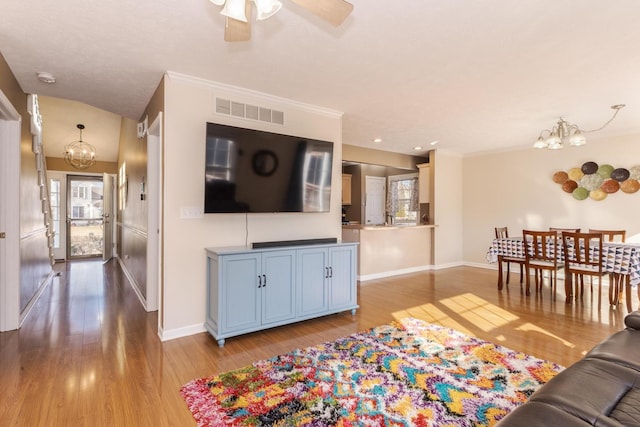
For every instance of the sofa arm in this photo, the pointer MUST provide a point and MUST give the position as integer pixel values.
(632, 320)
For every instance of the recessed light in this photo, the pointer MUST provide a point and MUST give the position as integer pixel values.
(377, 140)
(417, 148)
(433, 142)
(46, 77)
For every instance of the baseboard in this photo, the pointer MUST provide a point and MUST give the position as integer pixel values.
(493, 266)
(394, 273)
(133, 283)
(171, 334)
(27, 310)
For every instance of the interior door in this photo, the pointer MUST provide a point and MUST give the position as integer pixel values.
(107, 215)
(10, 131)
(85, 207)
(375, 189)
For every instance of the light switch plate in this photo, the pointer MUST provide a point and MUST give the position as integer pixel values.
(191, 212)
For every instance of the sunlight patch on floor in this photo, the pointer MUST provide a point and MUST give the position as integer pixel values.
(432, 314)
(469, 308)
(529, 327)
(479, 312)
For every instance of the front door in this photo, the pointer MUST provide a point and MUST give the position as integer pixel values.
(85, 207)
(108, 187)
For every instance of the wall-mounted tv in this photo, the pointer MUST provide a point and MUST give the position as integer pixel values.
(255, 171)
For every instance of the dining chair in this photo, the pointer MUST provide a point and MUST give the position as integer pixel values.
(541, 253)
(611, 235)
(560, 230)
(582, 256)
(503, 233)
(616, 280)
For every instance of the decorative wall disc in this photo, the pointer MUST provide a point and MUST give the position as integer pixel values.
(596, 182)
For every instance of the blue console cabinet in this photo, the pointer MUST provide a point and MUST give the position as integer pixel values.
(253, 289)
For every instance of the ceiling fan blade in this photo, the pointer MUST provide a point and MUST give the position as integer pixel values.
(238, 31)
(333, 11)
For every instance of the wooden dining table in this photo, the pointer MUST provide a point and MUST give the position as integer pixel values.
(620, 258)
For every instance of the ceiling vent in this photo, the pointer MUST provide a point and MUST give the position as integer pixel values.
(247, 111)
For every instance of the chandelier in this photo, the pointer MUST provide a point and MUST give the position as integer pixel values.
(564, 132)
(80, 154)
(236, 9)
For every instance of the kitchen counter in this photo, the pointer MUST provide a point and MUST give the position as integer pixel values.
(389, 250)
(383, 227)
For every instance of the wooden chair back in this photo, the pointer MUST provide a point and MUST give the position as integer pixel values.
(502, 232)
(583, 253)
(541, 247)
(611, 235)
(560, 230)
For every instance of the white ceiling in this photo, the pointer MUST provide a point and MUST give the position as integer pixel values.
(475, 75)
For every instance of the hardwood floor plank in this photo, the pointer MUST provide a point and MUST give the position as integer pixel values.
(89, 355)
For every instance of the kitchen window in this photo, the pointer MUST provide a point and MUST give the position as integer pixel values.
(402, 199)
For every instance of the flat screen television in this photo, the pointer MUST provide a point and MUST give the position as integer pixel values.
(255, 171)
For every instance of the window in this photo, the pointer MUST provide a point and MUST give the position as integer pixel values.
(54, 192)
(77, 212)
(402, 199)
(80, 192)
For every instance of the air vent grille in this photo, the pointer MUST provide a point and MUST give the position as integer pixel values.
(247, 111)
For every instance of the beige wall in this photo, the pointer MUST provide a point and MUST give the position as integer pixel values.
(515, 189)
(58, 164)
(189, 104)
(34, 251)
(372, 156)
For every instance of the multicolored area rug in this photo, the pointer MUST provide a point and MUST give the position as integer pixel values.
(403, 374)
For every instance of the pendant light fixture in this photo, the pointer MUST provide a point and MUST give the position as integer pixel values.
(80, 154)
(564, 132)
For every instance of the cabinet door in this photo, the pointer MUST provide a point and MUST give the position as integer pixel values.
(346, 189)
(313, 290)
(240, 308)
(278, 286)
(343, 289)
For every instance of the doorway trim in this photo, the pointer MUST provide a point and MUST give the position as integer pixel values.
(154, 220)
(10, 134)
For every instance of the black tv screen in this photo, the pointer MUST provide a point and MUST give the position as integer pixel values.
(256, 171)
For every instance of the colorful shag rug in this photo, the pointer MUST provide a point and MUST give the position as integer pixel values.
(403, 374)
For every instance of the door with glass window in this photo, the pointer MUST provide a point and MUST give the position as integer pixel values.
(57, 197)
(85, 208)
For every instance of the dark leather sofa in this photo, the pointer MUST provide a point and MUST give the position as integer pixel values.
(602, 389)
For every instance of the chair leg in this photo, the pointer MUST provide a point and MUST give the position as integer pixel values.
(568, 287)
(521, 272)
(613, 289)
(527, 291)
(508, 272)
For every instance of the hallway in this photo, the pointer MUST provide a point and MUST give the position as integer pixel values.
(89, 355)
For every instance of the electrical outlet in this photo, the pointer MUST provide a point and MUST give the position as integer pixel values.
(190, 212)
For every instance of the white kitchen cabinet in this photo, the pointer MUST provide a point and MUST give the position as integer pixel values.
(424, 181)
(254, 289)
(346, 189)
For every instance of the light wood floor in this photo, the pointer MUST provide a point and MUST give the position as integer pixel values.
(89, 355)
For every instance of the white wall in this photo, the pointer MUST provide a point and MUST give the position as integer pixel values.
(515, 189)
(189, 104)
